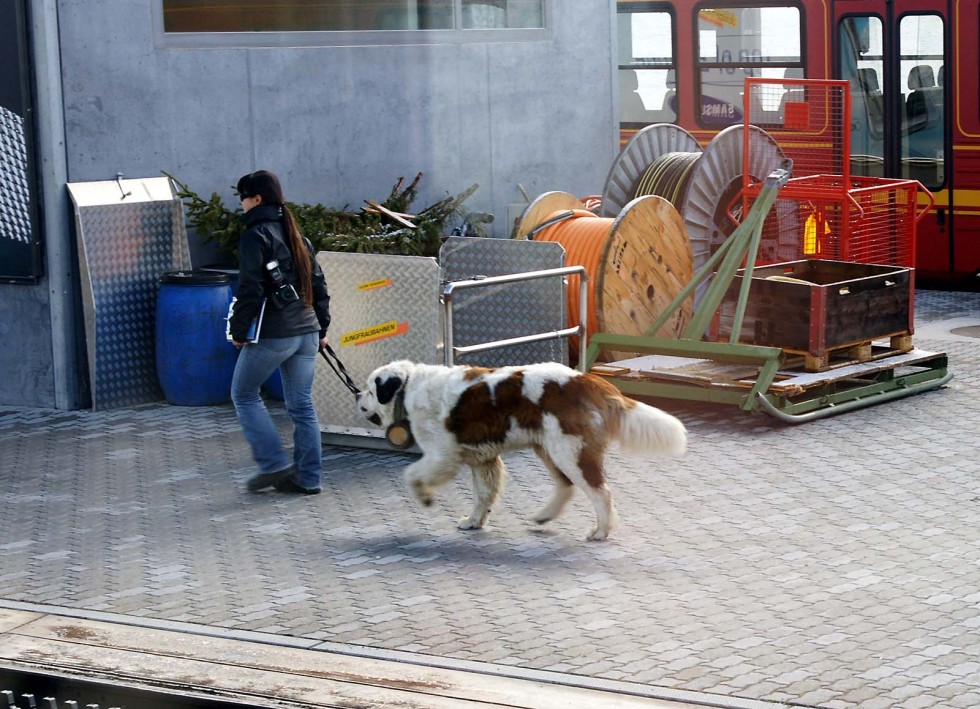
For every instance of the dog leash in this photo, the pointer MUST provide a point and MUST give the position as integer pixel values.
(399, 433)
(339, 369)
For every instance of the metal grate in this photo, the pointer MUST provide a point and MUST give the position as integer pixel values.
(8, 700)
(873, 222)
(31, 690)
(823, 211)
(15, 219)
(810, 119)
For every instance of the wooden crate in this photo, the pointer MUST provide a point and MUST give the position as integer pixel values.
(816, 307)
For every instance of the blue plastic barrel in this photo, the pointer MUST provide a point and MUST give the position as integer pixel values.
(195, 362)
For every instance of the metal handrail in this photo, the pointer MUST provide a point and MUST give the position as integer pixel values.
(450, 287)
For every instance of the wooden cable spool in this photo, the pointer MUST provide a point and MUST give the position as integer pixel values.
(715, 182)
(702, 184)
(637, 263)
(635, 159)
(543, 206)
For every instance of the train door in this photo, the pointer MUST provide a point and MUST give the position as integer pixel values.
(896, 55)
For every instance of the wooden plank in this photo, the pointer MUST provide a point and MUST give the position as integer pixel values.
(248, 670)
(605, 370)
(197, 677)
(390, 214)
(806, 380)
(706, 373)
(696, 370)
(372, 210)
(11, 619)
(683, 377)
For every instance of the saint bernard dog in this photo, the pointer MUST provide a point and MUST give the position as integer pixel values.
(465, 415)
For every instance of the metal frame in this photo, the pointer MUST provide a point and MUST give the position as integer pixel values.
(844, 389)
(450, 351)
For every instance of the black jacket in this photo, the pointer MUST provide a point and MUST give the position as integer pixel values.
(264, 240)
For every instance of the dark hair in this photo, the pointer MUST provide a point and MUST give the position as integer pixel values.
(266, 185)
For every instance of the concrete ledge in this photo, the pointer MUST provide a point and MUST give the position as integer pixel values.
(267, 675)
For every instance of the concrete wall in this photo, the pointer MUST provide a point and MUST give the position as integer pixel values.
(25, 346)
(340, 124)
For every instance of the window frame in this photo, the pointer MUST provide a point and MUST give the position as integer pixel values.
(352, 38)
(669, 9)
(699, 65)
(905, 135)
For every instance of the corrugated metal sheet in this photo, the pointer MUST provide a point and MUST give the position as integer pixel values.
(129, 233)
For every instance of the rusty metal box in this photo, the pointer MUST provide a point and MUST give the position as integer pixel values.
(815, 306)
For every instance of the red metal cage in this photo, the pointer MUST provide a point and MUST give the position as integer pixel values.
(823, 211)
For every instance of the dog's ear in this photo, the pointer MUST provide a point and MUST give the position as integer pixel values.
(387, 388)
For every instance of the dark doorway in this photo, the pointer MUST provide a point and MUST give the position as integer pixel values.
(20, 243)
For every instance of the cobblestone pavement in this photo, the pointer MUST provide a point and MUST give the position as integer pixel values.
(832, 564)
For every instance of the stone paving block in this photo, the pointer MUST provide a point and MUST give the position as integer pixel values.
(844, 547)
(969, 699)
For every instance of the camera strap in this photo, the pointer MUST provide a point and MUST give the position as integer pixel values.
(339, 369)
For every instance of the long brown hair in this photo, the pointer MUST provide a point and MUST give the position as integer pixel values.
(266, 185)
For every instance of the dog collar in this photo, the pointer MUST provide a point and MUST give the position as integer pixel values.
(399, 433)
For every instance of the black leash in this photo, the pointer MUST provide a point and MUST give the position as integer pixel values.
(399, 433)
(330, 356)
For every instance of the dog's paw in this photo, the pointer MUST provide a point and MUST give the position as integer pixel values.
(470, 523)
(542, 518)
(597, 535)
(422, 493)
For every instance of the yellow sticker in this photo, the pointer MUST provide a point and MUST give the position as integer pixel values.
(374, 285)
(719, 18)
(391, 328)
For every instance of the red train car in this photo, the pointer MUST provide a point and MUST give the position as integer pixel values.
(913, 68)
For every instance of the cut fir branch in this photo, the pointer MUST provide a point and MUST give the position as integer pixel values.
(329, 229)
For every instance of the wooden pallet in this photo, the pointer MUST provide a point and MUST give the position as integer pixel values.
(843, 355)
(792, 378)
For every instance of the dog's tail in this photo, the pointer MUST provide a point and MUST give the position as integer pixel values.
(646, 429)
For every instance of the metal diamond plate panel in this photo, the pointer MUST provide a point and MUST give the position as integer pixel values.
(382, 308)
(15, 219)
(507, 310)
(124, 247)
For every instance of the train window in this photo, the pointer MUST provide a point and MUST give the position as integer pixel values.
(183, 16)
(647, 90)
(922, 52)
(861, 39)
(739, 42)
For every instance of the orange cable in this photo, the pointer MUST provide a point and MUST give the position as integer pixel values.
(584, 237)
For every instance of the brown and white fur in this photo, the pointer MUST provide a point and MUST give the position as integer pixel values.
(470, 415)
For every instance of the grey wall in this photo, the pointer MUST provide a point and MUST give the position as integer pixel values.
(25, 346)
(340, 124)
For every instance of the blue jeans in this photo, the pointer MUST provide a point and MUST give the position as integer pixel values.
(296, 359)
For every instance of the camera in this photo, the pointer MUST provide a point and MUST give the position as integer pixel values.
(284, 293)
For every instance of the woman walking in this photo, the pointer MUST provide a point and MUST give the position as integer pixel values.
(277, 267)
